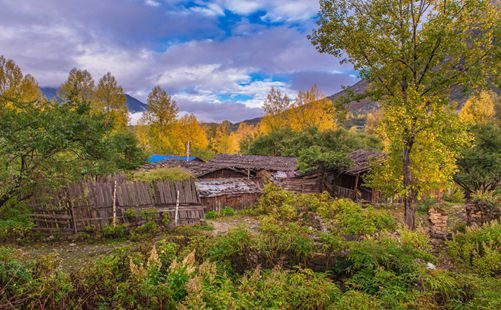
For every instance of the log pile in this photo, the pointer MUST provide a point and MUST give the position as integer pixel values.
(438, 223)
(481, 213)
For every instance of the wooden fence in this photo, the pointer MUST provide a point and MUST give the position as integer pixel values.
(103, 202)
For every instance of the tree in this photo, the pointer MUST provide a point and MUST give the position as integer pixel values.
(161, 118)
(78, 88)
(45, 148)
(244, 132)
(16, 87)
(276, 106)
(480, 166)
(221, 142)
(191, 131)
(312, 109)
(479, 109)
(412, 53)
(110, 98)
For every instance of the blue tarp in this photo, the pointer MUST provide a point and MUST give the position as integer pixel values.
(156, 158)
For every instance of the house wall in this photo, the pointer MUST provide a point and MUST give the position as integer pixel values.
(235, 201)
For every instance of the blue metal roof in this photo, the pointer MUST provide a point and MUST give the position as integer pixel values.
(156, 158)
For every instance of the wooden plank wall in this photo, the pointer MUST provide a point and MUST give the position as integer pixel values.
(90, 203)
(237, 201)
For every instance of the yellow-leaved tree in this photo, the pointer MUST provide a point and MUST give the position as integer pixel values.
(243, 133)
(78, 88)
(16, 89)
(412, 53)
(479, 108)
(191, 131)
(221, 143)
(312, 110)
(276, 106)
(161, 120)
(110, 98)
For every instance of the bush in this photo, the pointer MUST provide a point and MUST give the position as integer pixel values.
(15, 223)
(211, 214)
(145, 230)
(231, 248)
(345, 217)
(478, 249)
(454, 194)
(227, 211)
(113, 232)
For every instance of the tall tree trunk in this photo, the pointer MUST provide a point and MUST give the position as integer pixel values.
(409, 195)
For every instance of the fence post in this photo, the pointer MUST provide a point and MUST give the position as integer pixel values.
(176, 212)
(72, 210)
(114, 221)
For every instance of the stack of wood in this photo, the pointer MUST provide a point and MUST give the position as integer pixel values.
(481, 213)
(438, 223)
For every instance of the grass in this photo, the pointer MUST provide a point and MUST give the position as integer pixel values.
(162, 174)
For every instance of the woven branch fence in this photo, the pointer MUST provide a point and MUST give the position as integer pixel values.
(103, 202)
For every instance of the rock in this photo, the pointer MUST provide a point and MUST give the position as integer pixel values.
(430, 266)
(72, 244)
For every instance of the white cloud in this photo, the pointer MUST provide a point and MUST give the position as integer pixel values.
(152, 3)
(277, 10)
(134, 118)
(209, 9)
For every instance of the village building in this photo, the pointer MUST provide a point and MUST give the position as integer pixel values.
(236, 181)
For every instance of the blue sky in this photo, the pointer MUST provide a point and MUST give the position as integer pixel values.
(217, 58)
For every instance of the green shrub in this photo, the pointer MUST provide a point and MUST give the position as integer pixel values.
(149, 214)
(131, 214)
(454, 194)
(425, 204)
(166, 251)
(145, 230)
(113, 232)
(15, 223)
(478, 249)
(348, 218)
(231, 247)
(211, 214)
(289, 240)
(165, 219)
(227, 211)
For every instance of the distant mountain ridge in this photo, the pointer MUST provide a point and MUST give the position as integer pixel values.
(134, 105)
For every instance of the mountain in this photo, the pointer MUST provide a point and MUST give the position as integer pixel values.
(133, 104)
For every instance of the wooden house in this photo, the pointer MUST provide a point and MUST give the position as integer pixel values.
(349, 183)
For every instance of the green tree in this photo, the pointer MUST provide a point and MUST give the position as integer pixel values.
(286, 142)
(412, 53)
(480, 166)
(78, 88)
(110, 98)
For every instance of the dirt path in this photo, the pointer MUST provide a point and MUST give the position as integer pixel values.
(223, 224)
(73, 255)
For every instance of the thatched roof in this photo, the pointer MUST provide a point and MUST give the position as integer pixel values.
(255, 162)
(361, 161)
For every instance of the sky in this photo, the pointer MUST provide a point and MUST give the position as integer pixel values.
(217, 58)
